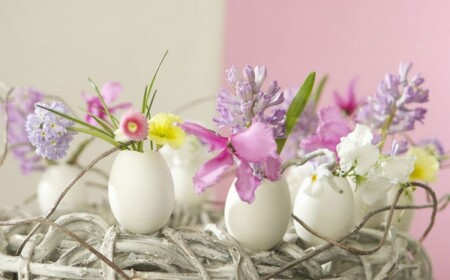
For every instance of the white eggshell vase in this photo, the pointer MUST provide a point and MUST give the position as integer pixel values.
(53, 182)
(141, 192)
(261, 224)
(331, 213)
(362, 208)
(185, 194)
(402, 219)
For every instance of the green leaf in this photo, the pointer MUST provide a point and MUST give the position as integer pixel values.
(107, 126)
(297, 107)
(97, 90)
(150, 86)
(319, 90)
(151, 103)
(95, 134)
(104, 124)
(85, 124)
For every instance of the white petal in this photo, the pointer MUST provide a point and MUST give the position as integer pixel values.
(397, 169)
(367, 157)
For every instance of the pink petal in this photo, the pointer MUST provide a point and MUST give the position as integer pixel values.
(254, 144)
(206, 136)
(311, 143)
(246, 182)
(331, 132)
(110, 91)
(331, 114)
(272, 165)
(120, 106)
(212, 171)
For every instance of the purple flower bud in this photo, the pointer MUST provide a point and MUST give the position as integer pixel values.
(248, 103)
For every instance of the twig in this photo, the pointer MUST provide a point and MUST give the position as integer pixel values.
(69, 233)
(6, 117)
(435, 207)
(337, 243)
(351, 249)
(96, 185)
(61, 196)
(29, 199)
(445, 200)
(308, 157)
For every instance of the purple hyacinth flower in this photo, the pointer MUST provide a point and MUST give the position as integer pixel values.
(246, 102)
(391, 104)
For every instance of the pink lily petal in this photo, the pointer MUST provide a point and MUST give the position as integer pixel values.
(110, 91)
(120, 106)
(206, 136)
(349, 104)
(246, 182)
(331, 132)
(212, 171)
(331, 114)
(272, 165)
(254, 144)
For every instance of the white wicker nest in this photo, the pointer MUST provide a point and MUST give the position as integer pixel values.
(186, 253)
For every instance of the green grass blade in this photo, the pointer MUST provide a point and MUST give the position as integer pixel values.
(151, 103)
(319, 90)
(97, 90)
(150, 86)
(104, 124)
(95, 134)
(85, 124)
(144, 104)
(107, 126)
(297, 107)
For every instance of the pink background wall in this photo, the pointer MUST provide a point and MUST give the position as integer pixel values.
(348, 39)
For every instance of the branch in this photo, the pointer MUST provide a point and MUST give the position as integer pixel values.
(61, 196)
(6, 117)
(69, 233)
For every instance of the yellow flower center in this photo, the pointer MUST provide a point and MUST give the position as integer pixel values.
(132, 127)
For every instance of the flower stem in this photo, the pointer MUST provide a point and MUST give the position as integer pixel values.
(308, 157)
(385, 128)
(74, 158)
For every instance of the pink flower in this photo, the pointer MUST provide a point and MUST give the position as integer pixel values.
(110, 91)
(133, 126)
(349, 104)
(332, 126)
(253, 150)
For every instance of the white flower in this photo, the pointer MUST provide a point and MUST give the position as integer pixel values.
(193, 152)
(356, 150)
(397, 169)
(375, 187)
(390, 172)
(312, 184)
(119, 136)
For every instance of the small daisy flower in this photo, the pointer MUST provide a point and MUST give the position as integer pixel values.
(133, 127)
(163, 130)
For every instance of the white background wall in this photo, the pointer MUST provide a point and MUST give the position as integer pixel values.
(56, 45)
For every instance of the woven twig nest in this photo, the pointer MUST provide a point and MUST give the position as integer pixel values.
(187, 253)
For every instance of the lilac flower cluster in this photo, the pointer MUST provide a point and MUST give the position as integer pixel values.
(247, 103)
(20, 104)
(49, 132)
(390, 106)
